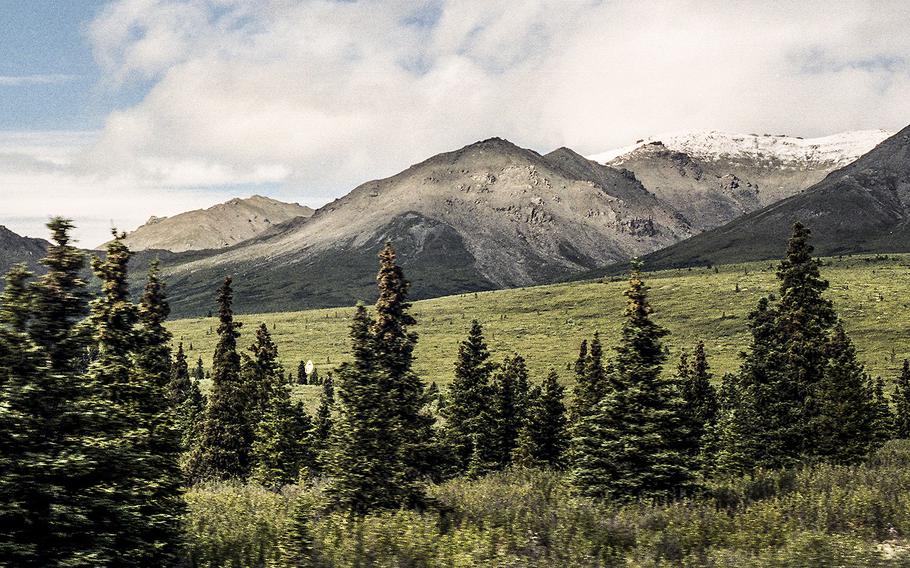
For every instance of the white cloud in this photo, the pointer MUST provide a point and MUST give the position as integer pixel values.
(315, 97)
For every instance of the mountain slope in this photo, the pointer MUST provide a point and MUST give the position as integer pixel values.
(714, 177)
(489, 215)
(218, 226)
(862, 207)
(15, 249)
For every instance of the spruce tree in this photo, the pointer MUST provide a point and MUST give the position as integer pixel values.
(43, 406)
(320, 435)
(279, 450)
(468, 397)
(882, 417)
(699, 397)
(25, 502)
(134, 489)
(547, 423)
(632, 444)
(365, 462)
(591, 378)
(60, 302)
(393, 346)
(901, 400)
(199, 371)
(509, 409)
(727, 447)
(847, 414)
(184, 396)
(163, 510)
(222, 446)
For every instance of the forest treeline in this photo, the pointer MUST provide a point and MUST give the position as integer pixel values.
(106, 436)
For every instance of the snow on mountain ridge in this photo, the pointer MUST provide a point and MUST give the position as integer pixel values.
(836, 150)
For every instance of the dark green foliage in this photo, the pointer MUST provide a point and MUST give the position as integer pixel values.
(320, 435)
(901, 401)
(800, 386)
(60, 302)
(509, 410)
(44, 400)
(313, 378)
(845, 424)
(163, 509)
(469, 395)
(393, 347)
(221, 449)
(882, 417)
(591, 379)
(365, 463)
(544, 437)
(279, 450)
(699, 397)
(633, 442)
(185, 397)
(199, 371)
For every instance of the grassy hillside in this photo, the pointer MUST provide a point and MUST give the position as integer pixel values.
(546, 323)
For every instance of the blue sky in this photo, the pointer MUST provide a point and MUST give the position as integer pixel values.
(111, 112)
(44, 40)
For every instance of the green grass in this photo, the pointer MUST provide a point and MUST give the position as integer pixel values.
(546, 323)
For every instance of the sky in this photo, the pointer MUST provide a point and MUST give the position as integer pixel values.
(111, 112)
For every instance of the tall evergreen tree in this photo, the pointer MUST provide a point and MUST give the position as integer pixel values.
(163, 510)
(468, 397)
(25, 502)
(365, 463)
(591, 379)
(43, 402)
(784, 373)
(61, 301)
(320, 435)
(699, 397)
(199, 371)
(511, 394)
(184, 396)
(261, 373)
(224, 438)
(279, 450)
(846, 417)
(546, 423)
(393, 346)
(901, 400)
(632, 444)
(133, 489)
(882, 417)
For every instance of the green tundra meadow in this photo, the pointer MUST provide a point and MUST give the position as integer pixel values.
(871, 294)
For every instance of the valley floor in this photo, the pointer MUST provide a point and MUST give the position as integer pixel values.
(546, 323)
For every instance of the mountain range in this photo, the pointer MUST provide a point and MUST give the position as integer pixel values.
(494, 215)
(863, 207)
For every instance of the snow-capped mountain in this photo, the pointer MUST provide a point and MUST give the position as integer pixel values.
(837, 149)
(713, 177)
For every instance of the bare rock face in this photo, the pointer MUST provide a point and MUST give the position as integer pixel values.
(217, 227)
